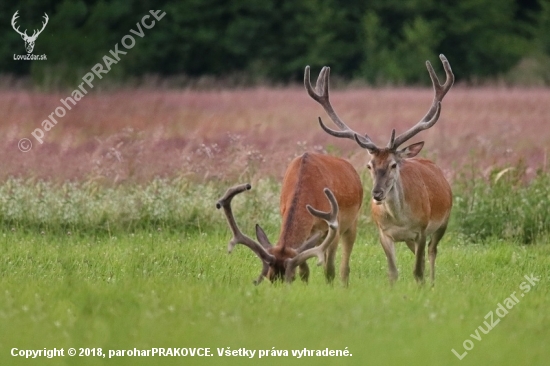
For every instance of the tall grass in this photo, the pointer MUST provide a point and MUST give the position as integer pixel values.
(90, 207)
(503, 205)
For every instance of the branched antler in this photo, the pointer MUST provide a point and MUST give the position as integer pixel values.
(433, 113)
(321, 96)
(238, 236)
(331, 219)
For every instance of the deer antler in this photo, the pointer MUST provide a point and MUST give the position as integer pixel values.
(238, 236)
(433, 113)
(13, 19)
(321, 96)
(331, 219)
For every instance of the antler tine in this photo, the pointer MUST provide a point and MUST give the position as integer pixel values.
(238, 236)
(392, 138)
(435, 109)
(441, 90)
(331, 219)
(263, 274)
(321, 96)
(310, 243)
(230, 193)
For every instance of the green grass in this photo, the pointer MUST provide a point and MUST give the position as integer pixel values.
(163, 289)
(127, 266)
(506, 205)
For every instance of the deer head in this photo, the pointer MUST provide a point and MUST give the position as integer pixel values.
(280, 262)
(29, 40)
(385, 161)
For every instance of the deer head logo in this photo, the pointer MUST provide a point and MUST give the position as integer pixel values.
(29, 40)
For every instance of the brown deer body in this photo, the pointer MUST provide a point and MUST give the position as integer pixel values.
(417, 205)
(411, 199)
(303, 228)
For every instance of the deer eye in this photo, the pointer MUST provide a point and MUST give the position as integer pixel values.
(369, 167)
(393, 166)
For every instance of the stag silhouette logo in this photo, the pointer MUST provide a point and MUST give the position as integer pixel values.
(29, 40)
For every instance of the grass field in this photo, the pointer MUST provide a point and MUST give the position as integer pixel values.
(155, 289)
(110, 239)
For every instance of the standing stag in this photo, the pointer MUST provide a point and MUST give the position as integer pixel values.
(303, 227)
(411, 199)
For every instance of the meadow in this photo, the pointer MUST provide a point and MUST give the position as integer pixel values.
(155, 289)
(110, 238)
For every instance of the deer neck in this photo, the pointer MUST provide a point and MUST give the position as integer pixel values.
(394, 203)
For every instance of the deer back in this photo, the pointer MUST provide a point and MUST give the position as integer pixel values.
(303, 184)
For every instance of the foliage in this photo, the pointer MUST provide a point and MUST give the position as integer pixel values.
(381, 41)
(88, 207)
(503, 206)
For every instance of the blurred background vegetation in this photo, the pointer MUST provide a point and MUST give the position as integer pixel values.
(244, 42)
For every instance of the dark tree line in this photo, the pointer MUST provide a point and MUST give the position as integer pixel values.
(380, 41)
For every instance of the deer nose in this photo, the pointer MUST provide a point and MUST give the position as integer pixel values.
(378, 194)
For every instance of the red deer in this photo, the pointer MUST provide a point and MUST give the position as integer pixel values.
(304, 227)
(411, 199)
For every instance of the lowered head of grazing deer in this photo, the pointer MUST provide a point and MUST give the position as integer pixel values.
(411, 199)
(312, 180)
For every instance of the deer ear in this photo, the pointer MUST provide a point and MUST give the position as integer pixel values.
(262, 238)
(411, 151)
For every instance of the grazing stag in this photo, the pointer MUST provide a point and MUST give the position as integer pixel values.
(304, 227)
(411, 199)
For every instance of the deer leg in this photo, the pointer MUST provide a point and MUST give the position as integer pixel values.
(348, 239)
(330, 254)
(420, 254)
(389, 249)
(432, 250)
(304, 272)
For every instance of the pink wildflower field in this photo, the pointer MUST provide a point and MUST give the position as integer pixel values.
(133, 136)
